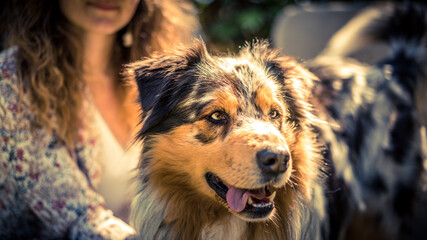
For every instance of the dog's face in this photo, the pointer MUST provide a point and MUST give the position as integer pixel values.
(223, 128)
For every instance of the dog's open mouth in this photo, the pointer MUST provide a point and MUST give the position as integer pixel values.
(253, 203)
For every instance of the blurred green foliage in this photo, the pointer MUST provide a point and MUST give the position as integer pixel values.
(227, 24)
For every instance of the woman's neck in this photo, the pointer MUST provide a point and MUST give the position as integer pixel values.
(100, 75)
(97, 55)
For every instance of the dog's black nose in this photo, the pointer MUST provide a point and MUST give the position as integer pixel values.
(272, 163)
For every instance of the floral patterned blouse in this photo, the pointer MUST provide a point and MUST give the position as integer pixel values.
(46, 192)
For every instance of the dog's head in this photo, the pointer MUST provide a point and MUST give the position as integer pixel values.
(226, 130)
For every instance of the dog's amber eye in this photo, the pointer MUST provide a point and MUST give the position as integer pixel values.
(218, 117)
(274, 114)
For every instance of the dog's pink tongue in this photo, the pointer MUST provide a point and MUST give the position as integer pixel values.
(237, 198)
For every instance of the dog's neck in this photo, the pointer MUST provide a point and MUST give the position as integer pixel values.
(210, 223)
(231, 227)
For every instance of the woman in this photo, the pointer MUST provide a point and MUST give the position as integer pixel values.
(64, 108)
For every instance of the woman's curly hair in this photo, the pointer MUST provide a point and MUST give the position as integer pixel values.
(49, 59)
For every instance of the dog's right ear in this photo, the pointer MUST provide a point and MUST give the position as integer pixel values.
(163, 80)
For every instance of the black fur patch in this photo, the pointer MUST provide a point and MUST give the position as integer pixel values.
(377, 184)
(403, 199)
(204, 139)
(402, 134)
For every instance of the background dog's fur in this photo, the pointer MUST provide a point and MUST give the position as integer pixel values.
(371, 132)
(376, 116)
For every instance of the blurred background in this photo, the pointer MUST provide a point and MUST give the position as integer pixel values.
(301, 28)
(229, 23)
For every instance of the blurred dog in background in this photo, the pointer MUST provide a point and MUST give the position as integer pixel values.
(376, 117)
(232, 144)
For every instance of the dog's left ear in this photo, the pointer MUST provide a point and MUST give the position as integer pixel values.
(297, 88)
(297, 82)
(163, 80)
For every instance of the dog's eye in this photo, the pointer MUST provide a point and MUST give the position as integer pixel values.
(274, 114)
(218, 117)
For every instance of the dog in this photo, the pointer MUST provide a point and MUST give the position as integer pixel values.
(376, 122)
(229, 151)
(255, 146)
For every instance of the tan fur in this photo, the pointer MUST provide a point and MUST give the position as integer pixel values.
(172, 184)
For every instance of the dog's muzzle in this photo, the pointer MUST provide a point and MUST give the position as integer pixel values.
(248, 203)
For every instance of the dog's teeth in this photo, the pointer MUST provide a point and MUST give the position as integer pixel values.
(271, 197)
(262, 204)
(250, 201)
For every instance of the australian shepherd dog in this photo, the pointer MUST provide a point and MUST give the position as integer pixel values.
(229, 148)
(240, 147)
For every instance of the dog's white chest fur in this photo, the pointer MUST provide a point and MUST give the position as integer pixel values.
(229, 228)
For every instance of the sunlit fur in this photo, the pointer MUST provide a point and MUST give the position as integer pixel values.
(178, 93)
